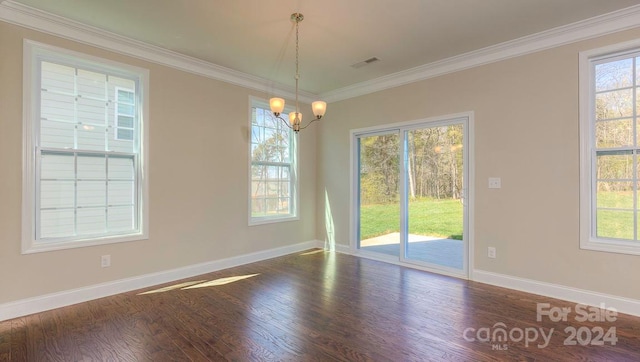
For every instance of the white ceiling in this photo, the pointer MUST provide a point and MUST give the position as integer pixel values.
(256, 36)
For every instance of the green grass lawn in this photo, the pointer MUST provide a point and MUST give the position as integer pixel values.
(426, 217)
(617, 222)
(444, 217)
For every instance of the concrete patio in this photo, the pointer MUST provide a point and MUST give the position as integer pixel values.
(429, 249)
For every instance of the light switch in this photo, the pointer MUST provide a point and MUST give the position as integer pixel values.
(495, 182)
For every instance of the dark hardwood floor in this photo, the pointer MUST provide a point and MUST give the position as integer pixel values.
(316, 306)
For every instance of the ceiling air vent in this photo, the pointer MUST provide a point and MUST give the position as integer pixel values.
(365, 62)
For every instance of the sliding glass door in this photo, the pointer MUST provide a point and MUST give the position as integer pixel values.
(411, 187)
(434, 175)
(378, 193)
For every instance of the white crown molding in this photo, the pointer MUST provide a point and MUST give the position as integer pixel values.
(57, 300)
(590, 28)
(28, 17)
(31, 18)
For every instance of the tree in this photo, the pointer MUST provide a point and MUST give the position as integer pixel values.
(434, 165)
(270, 158)
(379, 169)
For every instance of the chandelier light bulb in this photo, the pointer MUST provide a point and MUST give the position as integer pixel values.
(295, 118)
(319, 107)
(277, 105)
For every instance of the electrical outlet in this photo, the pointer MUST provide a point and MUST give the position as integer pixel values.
(105, 261)
(495, 182)
(491, 252)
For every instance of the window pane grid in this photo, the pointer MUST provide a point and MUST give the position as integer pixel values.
(271, 166)
(79, 196)
(85, 186)
(615, 151)
(82, 185)
(124, 114)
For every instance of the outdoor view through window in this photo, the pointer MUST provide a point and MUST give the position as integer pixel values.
(616, 134)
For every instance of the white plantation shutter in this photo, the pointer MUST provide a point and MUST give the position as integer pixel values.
(86, 142)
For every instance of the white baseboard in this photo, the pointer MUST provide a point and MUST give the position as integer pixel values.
(338, 248)
(56, 300)
(61, 299)
(586, 297)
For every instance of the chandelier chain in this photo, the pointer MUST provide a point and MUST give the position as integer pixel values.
(297, 65)
(277, 104)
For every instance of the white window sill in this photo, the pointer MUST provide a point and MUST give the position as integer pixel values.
(43, 246)
(612, 246)
(270, 220)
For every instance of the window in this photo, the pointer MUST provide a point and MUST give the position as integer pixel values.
(85, 150)
(125, 114)
(610, 149)
(273, 195)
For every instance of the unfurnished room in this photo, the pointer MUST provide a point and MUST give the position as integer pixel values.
(361, 180)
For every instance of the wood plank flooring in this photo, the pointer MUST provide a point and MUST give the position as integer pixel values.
(314, 306)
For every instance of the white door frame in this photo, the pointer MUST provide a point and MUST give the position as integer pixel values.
(468, 194)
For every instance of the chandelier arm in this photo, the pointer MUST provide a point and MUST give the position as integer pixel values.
(308, 124)
(286, 123)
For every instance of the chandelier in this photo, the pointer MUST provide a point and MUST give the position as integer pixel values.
(277, 104)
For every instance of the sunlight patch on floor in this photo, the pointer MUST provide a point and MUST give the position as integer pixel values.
(314, 252)
(221, 281)
(200, 284)
(173, 287)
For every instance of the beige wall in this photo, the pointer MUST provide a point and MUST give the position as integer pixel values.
(198, 181)
(526, 123)
(526, 132)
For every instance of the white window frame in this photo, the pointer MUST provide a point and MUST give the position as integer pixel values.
(294, 186)
(33, 54)
(588, 238)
